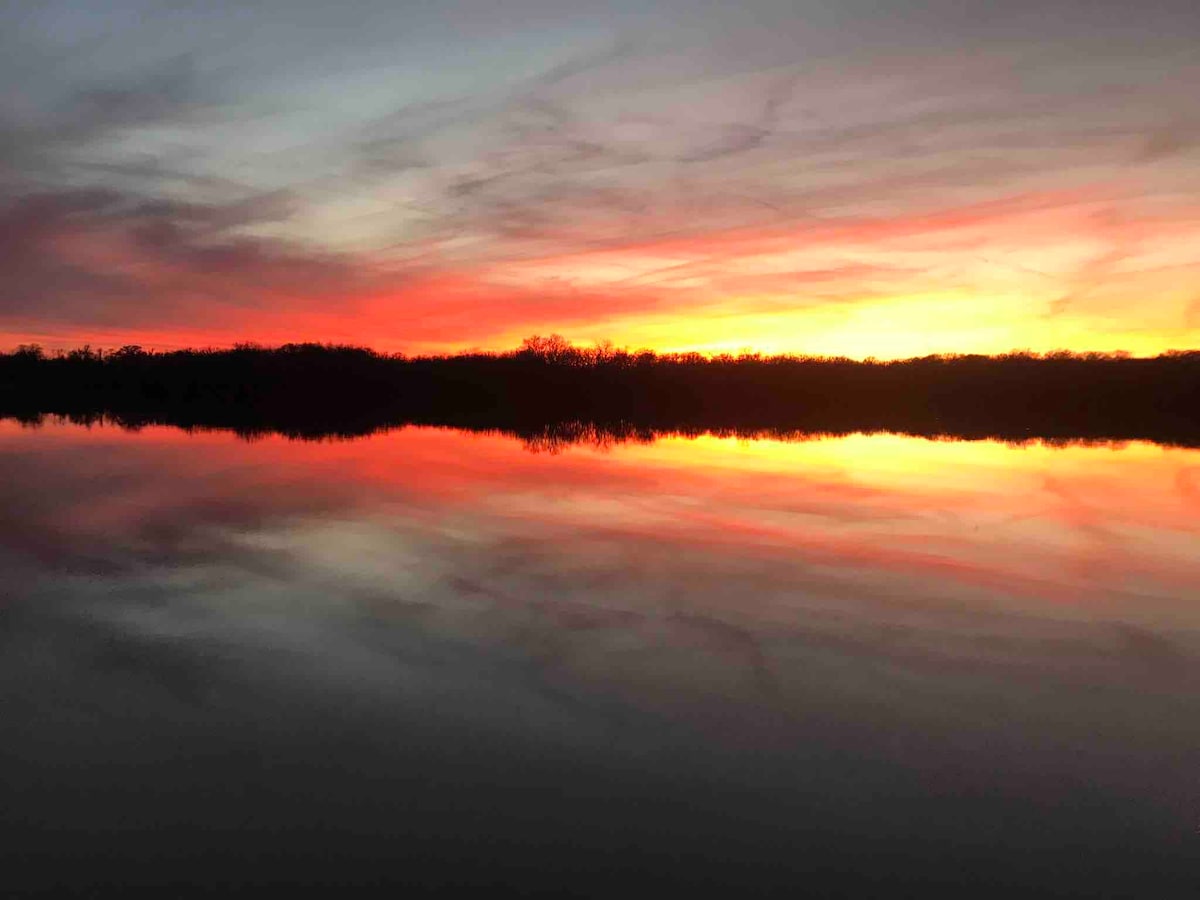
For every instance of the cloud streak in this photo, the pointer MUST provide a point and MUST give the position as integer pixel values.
(619, 173)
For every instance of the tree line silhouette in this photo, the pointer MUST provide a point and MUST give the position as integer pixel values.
(550, 388)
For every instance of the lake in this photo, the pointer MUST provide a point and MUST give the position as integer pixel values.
(865, 665)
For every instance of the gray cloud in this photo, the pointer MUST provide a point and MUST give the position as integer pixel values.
(252, 141)
(101, 256)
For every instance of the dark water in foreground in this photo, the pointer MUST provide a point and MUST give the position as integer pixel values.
(864, 666)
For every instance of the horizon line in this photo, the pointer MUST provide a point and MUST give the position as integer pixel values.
(556, 342)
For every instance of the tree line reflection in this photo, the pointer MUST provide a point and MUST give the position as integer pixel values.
(558, 437)
(552, 395)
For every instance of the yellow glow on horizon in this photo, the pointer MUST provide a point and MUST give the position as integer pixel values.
(889, 328)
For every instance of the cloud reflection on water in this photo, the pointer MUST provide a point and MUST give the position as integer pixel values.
(968, 617)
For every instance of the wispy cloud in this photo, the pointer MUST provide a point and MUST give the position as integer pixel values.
(827, 155)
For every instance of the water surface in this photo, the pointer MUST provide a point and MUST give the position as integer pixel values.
(434, 658)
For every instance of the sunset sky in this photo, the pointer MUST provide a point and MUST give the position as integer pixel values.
(855, 177)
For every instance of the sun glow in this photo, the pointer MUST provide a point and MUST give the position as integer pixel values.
(891, 328)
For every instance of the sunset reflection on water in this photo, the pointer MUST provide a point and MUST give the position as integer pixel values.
(933, 643)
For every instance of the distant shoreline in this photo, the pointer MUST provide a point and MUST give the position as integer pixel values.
(553, 390)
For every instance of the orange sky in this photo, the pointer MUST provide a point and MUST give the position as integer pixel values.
(832, 180)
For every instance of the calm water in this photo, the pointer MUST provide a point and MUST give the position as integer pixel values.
(877, 666)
